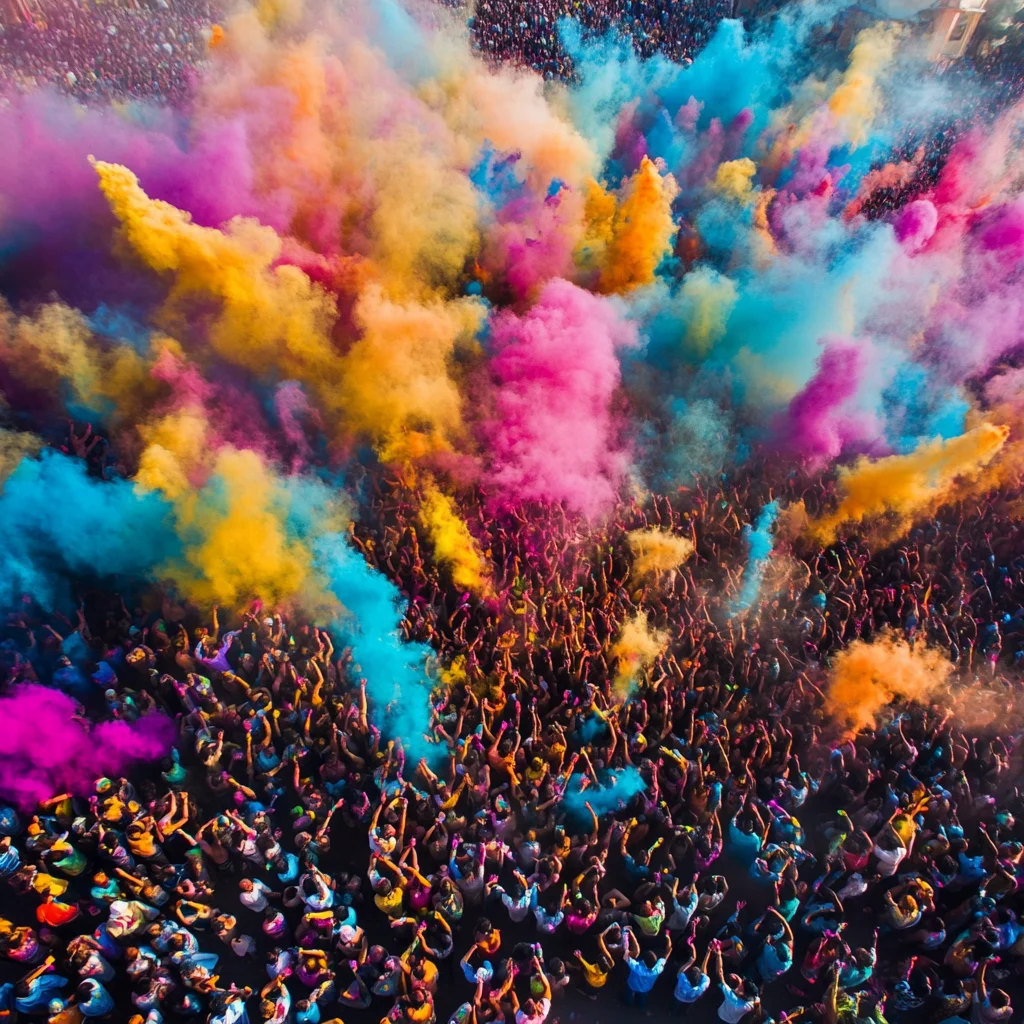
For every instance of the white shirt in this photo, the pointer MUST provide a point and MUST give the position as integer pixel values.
(544, 1008)
(889, 860)
(679, 919)
(733, 1009)
(517, 909)
(257, 899)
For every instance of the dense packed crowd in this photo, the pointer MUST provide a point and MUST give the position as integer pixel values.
(107, 50)
(525, 31)
(292, 863)
(146, 50)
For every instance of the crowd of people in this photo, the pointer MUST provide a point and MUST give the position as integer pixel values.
(525, 31)
(147, 49)
(290, 862)
(106, 51)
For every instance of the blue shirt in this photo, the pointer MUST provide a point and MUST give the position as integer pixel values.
(851, 977)
(715, 800)
(744, 846)
(309, 1016)
(642, 977)
(774, 961)
(687, 993)
(635, 872)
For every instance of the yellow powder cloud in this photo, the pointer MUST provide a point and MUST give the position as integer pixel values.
(906, 486)
(642, 231)
(865, 677)
(454, 546)
(634, 650)
(655, 550)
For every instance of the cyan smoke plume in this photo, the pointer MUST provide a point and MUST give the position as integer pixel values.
(395, 671)
(759, 543)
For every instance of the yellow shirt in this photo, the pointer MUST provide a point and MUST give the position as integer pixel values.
(429, 979)
(905, 827)
(392, 903)
(113, 809)
(595, 977)
(142, 845)
(46, 884)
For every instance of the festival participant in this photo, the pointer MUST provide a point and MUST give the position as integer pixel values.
(643, 972)
(692, 981)
(739, 996)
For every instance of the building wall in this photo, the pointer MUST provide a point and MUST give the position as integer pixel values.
(952, 29)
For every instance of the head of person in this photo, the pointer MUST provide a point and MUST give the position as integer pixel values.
(998, 999)
(739, 985)
(986, 943)
(888, 841)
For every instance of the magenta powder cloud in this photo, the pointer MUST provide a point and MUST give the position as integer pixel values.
(46, 181)
(531, 242)
(554, 438)
(46, 748)
(819, 422)
(916, 224)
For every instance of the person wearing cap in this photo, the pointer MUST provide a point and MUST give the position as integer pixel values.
(351, 942)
